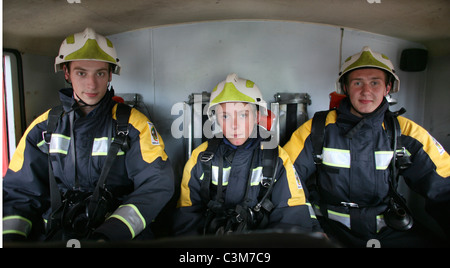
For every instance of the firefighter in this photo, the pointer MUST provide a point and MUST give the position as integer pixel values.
(225, 187)
(352, 180)
(140, 180)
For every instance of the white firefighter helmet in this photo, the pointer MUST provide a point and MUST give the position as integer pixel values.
(367, 59)
(87, 45)
(235, 89)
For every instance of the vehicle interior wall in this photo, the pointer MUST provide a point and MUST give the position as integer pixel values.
(41, 85)
(437, 108)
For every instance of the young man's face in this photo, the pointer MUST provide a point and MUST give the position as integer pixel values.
(89, 80)
(366, 89)
(237, 120)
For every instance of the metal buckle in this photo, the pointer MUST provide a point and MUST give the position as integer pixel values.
(318, 159)
(400, 152)
(266, 182)
(349, 205)
(206, 156)
(43, 137)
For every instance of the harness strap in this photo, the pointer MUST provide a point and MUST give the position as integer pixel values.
(270, 167)
(52, 122)
(120, 142)
(318, 135)
(219, 219)
(206, 161)
(400, 159)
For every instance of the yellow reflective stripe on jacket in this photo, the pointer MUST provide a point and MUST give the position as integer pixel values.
(297, 142)
(149, 150)
(431, 147)
(16, 225)
(131, 217)
(295, 187)
(185, 197)
(18, 158)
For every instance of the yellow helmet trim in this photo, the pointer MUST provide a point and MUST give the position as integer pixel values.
(367, 59)
(230, 93)
(90, 50)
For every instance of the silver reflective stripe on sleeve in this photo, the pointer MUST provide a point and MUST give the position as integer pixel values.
(131, 217)
(16, 225)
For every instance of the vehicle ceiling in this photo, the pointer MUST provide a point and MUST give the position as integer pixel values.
(39, 26)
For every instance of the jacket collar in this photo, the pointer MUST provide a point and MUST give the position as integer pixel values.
(351, 123)
(377, 116)
(69, 103)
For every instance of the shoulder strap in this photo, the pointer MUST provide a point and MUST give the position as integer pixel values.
(122, 114)
(206, 162)
(400, 159)
(120, 142)
(52, 122)
(269, 159)
(270, 166)
(318, 134)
